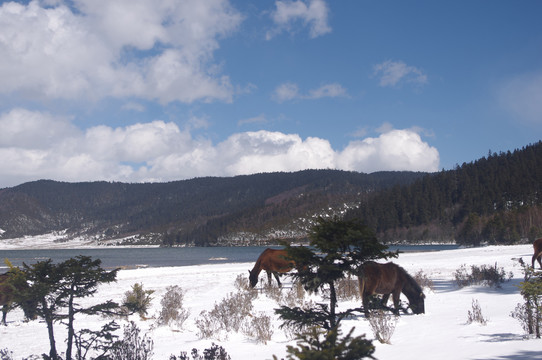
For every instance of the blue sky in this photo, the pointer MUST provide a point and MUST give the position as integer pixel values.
(161, 90)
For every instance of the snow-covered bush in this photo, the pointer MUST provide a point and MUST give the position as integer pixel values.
(383, 325)
(133, 345)
(476, 314)
(228, 315)
(485, 275)
(173, 311)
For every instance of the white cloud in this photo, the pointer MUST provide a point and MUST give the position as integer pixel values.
(161, 151)
(522, 97)
(88, 50)
(286, 92)
(313, 15)
(290, 91)
(393, 150)
(392, 73)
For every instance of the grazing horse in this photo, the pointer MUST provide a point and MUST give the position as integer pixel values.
(389, 279)
(7, 294)
(274, 262)
(537, 245)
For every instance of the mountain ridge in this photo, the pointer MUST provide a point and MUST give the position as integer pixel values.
(198, 211)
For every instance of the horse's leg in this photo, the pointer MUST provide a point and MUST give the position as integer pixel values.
(4, 313)
(397, 302)
(539, 258)
(277, 277)
(268, 277)
(385, 299)
(364, 296)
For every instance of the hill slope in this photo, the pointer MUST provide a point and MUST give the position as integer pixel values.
(204, 211)
(497, 199)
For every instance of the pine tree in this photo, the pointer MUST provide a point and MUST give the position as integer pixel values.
(337, 247)
(56, 286)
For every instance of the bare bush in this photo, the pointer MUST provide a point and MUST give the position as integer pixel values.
(383, 325)
(228, 315)
(133, 346)
(215, 352)
(259, 328)
(485, 275)
(242, 283)
(208, 325)
(422, 280)
(5, 354)
(272, 291)
(475, 315)
(295, 296)
(173, 311)
(347, 289)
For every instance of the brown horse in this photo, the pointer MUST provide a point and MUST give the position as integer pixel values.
(389, 279)
(274, 262)
(7, 295)
(537, 245)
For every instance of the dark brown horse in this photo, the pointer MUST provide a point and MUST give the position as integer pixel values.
(390, 279)
(274, 262)
(537, 245)
(7, 296)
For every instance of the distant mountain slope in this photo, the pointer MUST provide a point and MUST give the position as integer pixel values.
(203, 211)
(496, 199)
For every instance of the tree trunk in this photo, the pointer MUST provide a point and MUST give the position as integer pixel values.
(48, 316)
(332, 305)
(71, 315)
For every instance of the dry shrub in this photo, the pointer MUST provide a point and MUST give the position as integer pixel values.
(295, 296)
(485, 275)
(347, 289)
(259, 327)
(383, 325)
(228, 315)
(422, 280)
(242, 284)
(172, 307)
(133, 346)
(272, 291)
(476, 314)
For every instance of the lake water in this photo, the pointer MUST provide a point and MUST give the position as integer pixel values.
(157, 257)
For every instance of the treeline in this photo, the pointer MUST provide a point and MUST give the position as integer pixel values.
(496, 199)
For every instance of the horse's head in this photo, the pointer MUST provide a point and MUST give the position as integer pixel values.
(253, 278)
(417, 304)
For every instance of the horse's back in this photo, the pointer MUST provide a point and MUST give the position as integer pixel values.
(379, 278)
(276, 260)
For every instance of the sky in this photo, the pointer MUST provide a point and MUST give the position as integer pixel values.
(164, 90)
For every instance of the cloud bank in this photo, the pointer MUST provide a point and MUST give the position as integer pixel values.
(158, 50)
(35, 145)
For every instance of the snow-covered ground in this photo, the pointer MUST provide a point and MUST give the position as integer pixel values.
(441, 333)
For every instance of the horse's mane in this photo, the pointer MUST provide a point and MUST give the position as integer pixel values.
(413, 285)
(257, 266)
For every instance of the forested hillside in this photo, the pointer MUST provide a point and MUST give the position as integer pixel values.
(238, 210)
(496, 199)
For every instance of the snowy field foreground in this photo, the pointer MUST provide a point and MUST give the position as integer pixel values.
(441, 333)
